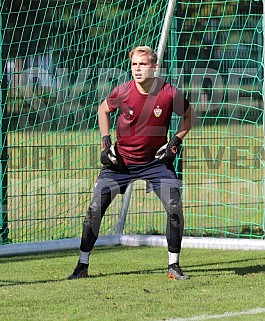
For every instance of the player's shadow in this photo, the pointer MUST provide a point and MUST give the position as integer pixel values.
(213, 268)
(250, 270)
(192, 271)
(8, 283)
(244, 270)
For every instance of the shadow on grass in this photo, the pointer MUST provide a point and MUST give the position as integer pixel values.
(198, 270)
(255, 269)
(8, 283)
(250, 270)
(246, 270)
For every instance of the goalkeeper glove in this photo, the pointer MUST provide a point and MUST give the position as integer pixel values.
(108, 155)
(168, 152)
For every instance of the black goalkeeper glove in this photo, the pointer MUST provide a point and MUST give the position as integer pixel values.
(108, 155)
(106, 141)
(168, 152)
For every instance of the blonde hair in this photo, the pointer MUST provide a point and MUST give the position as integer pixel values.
(144, 50)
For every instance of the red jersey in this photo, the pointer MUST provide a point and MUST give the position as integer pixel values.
(143, 119)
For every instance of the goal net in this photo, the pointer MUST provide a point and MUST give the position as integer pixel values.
(59, 61)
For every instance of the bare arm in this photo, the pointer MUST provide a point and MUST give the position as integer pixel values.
(104, 119)
(188, 120)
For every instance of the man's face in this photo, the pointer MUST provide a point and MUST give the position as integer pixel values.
(142, 68)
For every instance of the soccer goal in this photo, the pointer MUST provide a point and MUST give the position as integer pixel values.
(61, 58)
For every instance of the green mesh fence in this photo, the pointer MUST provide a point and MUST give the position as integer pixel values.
(61, 58)
(220, 58)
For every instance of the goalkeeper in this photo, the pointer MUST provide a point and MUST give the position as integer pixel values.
(145, 105)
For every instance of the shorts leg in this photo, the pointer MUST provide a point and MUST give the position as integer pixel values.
(171, 200)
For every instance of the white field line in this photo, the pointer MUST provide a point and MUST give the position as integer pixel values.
(219, 316)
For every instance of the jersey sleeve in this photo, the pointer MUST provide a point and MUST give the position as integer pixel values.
(180, 103)
(113, 99)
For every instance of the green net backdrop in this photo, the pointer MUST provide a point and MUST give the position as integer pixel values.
(221, 44)
(216, 47)
(61, 58)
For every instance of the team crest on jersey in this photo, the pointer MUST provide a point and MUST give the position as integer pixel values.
(157, 111)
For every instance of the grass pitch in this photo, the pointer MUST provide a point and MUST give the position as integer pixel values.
(131, 284)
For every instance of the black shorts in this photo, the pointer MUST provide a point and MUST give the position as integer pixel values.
(158, 175)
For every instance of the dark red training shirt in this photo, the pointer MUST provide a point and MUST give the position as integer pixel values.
(143, 120)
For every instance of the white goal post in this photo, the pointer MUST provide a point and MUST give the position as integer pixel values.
(132, 240)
